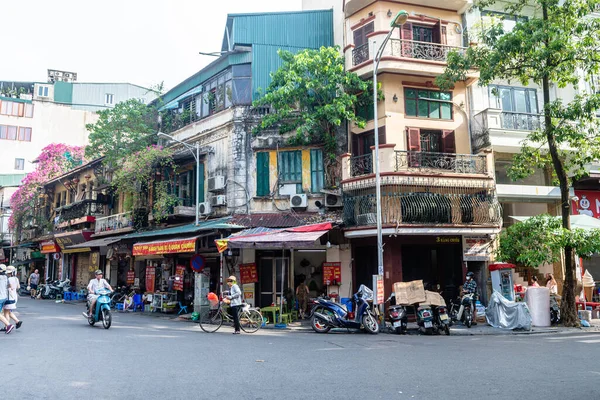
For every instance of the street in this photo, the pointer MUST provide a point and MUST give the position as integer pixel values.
(56, 355)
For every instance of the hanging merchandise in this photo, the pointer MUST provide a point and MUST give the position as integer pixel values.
(179, 273)
(150, 278)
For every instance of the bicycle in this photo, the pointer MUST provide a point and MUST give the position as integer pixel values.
(211, 319)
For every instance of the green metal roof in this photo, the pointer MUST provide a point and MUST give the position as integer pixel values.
(11, 180)
(63, 92)
(211, 224)
(15, 100)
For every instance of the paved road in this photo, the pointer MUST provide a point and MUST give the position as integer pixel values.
(56, 355)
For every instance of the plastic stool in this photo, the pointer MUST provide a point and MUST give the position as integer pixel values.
(68, 296)
(120, 307)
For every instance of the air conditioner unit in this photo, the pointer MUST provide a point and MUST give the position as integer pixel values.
(332, 200)
(216, 183)
(298, 201)
(205, 208)
(218, 201)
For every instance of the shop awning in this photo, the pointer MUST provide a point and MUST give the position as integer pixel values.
(176, 245)
(96, 243)
(580, 221)
(31, 260)
(211, 224)
(71, 238)
(298, 237)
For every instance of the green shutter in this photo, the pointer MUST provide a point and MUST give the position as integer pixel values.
(201, 189)
(262, 174)
(316, 170)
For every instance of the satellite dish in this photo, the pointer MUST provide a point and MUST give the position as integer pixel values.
(110, 253)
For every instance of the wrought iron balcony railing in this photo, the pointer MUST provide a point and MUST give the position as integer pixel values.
(360, 54)
(422, 50)
(423, 208)
(448, 162)
(91, 207)
(114, 222)
(361, 165)
(521, 121)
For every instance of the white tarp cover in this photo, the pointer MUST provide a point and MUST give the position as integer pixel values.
(503, 313)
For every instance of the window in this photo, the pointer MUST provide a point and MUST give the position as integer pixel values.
(502, 167)
(12, 133)
(513, 99)
(29, 110)
(289, 165)
(43, 91)
(509, 21)
(317, 170)
(25, 134)
(12, 108)
(360, 34)
(434, 141)
(262, 174)
(3, 132)
(417, 105)
(422, 33)
(20, 163)
(109, 99)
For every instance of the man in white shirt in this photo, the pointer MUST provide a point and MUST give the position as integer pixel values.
(95, 284)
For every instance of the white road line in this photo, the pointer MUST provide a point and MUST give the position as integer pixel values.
(589, 341)
(569, 337)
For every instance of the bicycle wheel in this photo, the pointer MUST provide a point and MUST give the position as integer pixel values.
(250, 321)
(210, 320)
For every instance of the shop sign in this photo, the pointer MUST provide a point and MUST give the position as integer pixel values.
(332, 273)
(248, 273)
(248, 290)
(588, 203)
(94, 261)
(71, 238)
(168, 247)
(130, 277)
(150, 278)
(476, 248)
(49, 247)
(179, 273)
(378, 289)
(447, 239)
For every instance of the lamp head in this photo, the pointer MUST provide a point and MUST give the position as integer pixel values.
(399, 19)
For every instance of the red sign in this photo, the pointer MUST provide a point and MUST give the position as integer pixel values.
(179, 273)
(248, 273)
(332, 273)
(130, 277)
(150, 278)
(49, 247)
(588, 203)
(166, 247)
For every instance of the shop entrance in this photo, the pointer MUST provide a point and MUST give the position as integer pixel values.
(269, 276)
(365, 265)
(434, 264)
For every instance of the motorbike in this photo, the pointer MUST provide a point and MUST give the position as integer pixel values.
(396, 315)
(465, 311)
(23, 290)
(441, 320)
(425, 319)
(52, 290)
(554, 310)
(327, 314)
(102, 309)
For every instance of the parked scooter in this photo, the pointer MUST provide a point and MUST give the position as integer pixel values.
(52, 290)
(465, 312)
(327, 314)
(441, 320)
(425, 319)
(396, 315)
(554, 310)
(102, 309)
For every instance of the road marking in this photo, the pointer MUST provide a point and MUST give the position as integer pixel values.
(589, 341)
(569, 337)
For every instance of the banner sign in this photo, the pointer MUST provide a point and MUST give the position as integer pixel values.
(94, 261)
(150, 278)
(379, 295)
(588, 203)
(49, 247)
(476, 248)
(179, 273)
(248, 273)
(130, 277)
(332, 273)
(171, 246)
(71, 238)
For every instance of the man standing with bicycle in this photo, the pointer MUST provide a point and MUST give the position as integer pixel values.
(235, 302)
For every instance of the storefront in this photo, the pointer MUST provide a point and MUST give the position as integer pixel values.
(52, 253)
(75, 263)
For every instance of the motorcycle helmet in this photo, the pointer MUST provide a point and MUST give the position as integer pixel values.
(195, 316)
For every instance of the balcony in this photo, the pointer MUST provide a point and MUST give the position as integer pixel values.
(402, 48)
(112, 224)
(460, 6)
(83, 211)
(504, 130)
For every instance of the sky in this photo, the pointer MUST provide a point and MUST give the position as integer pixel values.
(136, 41)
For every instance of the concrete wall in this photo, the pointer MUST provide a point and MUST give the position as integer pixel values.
(51, 123)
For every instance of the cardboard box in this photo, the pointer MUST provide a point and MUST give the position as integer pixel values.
(409, 292)
(433, 299)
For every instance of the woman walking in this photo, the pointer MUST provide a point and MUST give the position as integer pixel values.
(4, 299)
(235, 302)
(13, 290)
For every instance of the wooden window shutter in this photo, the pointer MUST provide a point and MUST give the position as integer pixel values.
(262, 174)
(445, 36)
(381, 132)
(414, 139)
(448, 142)
(437, 33)
(358, 37)
(355, 147)
(406, 33)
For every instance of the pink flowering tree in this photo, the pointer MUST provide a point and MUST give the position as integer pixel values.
(55, 160)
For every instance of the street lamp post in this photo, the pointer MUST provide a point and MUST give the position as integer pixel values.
(398, 20)
(196, 155)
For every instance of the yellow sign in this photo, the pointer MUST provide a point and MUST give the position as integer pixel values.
(447, 239)
(173, 246)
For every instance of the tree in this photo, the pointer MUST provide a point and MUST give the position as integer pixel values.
(554, 46)
(124, 129)
(311, 95)
(55, 160)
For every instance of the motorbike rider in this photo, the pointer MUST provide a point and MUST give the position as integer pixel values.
(470, 287)
(95, 284)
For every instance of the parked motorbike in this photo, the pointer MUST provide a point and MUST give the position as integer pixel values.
(102, 309)
(23, 290)
(52, 290)
(425, 319)
(441, 320)
(554, 310)
(396, 315)
(327, 314)
(465, 311)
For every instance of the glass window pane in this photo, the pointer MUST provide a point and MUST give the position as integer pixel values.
(242, 91)
(228, 94)
(506, 99)
(29, 110)
(423, 93)
(434, 109)
(411, 108)
(423, 110)
(533, 104)
(434, 95)
(446, 110)
(12, 133)
(242, 70)
(520, 100)
(410, 93)
(3, 132)
(445, 96)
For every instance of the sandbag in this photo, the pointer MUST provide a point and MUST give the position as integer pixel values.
(408, 293)
(503, 313)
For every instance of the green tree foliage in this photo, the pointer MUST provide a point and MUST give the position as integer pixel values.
(540, 240)
(126, 128)
(556, 45)
(312, 95)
